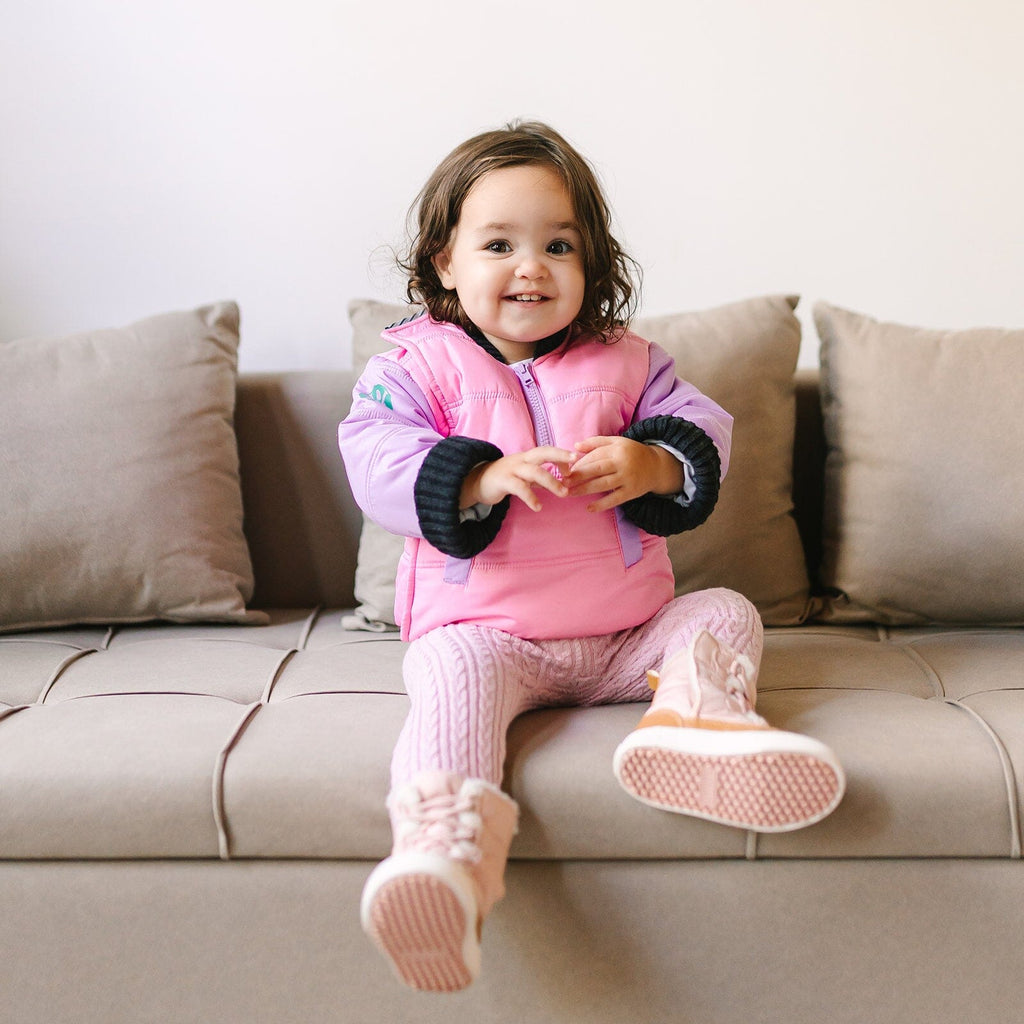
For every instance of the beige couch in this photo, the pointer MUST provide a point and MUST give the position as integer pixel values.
(188, 809)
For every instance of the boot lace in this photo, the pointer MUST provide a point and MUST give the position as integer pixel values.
(737, 694)
(448, 823)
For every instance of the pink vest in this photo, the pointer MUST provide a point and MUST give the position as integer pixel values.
(560, 572)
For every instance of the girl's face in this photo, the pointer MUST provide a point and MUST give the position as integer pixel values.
(515, 258)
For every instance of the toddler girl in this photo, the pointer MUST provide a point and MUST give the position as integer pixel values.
(535, 455)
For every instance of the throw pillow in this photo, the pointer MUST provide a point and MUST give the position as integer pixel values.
(924, 485)
(119, 489)
(743, 355)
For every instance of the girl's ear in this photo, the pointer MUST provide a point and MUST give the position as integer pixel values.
(443, 265)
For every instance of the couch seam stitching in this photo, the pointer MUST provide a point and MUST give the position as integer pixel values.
(59, 671)
(1009, 779)
(311, 620)
(933, 677)
(220, 815)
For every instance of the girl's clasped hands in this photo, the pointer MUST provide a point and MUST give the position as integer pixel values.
(616, 468)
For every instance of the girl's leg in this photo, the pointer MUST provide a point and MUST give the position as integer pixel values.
(633, 653)
(424, 905)
(465, 683)
(701, 748)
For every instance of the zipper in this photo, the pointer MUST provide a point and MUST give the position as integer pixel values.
(534, 402)
(456, 570)
(628, 533)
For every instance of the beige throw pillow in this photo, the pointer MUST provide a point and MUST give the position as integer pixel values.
(924, 499)
(743, 355)
(119, 490)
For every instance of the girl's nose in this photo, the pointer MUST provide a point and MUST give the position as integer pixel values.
(531, 268)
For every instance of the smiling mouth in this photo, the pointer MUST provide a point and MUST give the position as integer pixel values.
(527, 298)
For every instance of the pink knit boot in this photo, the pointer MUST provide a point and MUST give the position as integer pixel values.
(702, 750)
(425, 905)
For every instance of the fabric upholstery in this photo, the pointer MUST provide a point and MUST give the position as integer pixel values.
(119, 489)
(210, 741)
(924, 480)
(207, 801)
(704, 942)
(300, 520)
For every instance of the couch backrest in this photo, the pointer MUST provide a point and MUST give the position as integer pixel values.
(809, 468)
(301, 522)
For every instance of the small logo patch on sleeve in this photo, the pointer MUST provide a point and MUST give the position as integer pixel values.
(379, 393)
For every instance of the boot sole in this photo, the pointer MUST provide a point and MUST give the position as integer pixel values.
(764, 780)
(421, 915)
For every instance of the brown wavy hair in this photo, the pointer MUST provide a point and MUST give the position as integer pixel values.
(612, 277)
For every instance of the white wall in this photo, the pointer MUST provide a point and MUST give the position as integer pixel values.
(155, 156)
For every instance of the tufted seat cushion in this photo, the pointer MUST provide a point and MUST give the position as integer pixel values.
(207, 741)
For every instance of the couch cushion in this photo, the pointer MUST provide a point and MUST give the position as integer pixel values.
(119, 490)
(275, 741)
(196, 741)
(924, 482)
(743, 355)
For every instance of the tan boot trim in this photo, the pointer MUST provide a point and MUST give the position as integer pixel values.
(661, 716)
(664, 716)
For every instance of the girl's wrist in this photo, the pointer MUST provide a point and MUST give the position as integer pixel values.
(667, 476)
(469, 495)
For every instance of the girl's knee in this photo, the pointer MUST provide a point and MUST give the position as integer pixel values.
(460, 658)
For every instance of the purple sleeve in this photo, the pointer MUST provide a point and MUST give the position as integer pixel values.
(666, 395)
(387, 434)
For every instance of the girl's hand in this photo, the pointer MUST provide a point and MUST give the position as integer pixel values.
(621, 469)
(518, 475)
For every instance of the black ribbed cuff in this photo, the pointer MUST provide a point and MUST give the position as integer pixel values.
(437, 490)
(663, 516)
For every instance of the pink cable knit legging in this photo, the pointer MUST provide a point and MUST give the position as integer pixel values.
(467, 682)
